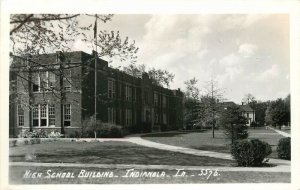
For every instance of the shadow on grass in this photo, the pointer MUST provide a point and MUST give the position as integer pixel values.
(109, 153)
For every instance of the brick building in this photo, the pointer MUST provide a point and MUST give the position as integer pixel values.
(56, 92)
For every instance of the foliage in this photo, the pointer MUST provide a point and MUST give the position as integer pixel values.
(91, 126)
(248, 98)
(157, 76)
(260, 111)
(253, 124)
(234, 123)
(54, 134)
(108, 130)
(250, 152)
(39, 133)
(278, 113)
(284, 148)
(192, 91)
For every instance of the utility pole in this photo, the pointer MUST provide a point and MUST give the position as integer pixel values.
(213, 109)
(96, 56)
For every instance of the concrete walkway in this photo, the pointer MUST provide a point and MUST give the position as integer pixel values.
(143, 142)
(280, 132)
(153, 167)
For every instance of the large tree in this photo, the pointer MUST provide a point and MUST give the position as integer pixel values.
(210, 102)
(278, 113)
(234, 123)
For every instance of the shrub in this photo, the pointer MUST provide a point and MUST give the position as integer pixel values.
(250, 152)
(54, 134)
(284, 148)
(146, 127)
(111, 131)
(253, 124)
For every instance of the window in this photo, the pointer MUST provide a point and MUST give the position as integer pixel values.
(128, 92)
(128, 115)
(120, 90)
(20, 116)
(111, 115)
(67, 115)
(43, 119)
(35, 82)
(156, 117)
(155, 98)
(67, 80)
(134, 94)
(35, 116)
(247, 115)
(43, 115)
(51, 79)
(51, 112)
(120, 116)
(164, 100)
(164, 118)
(111, 89)
(43, 81)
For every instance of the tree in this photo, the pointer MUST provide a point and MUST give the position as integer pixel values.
(192, 109)
(260, 111)
(248, 98)
(211, 104)
(34, 34)
(234, 123)
(158, 76)
(278, 113)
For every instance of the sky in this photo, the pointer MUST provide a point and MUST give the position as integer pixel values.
(244, 53)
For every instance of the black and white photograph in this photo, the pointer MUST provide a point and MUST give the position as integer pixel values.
(108, 98)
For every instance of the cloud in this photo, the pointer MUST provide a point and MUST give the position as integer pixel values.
(270, 73)
(230, 60)
(247, 50)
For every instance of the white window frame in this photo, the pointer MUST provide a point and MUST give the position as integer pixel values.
(36, 107)
(20, 116)
(36, 81)
(51, 112)
(44, 114)
(51, 83)
(70, 114)
(67, 80)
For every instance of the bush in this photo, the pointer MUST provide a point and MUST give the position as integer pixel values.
(54, 134)
(250, 152)
(284, 148)
(111, 131)
(253, 124)
(40, 133)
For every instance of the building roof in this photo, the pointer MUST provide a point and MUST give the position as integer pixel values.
(246, 108)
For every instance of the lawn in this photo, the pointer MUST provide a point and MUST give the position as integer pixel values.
(192, 176)
(111, 152)
(204, 140)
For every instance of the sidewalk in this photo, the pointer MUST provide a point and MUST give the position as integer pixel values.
(280, 132)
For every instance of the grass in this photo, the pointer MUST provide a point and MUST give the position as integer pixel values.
(111, 152)
(204, 140)
(16, 177)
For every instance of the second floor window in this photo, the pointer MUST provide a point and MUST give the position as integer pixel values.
(67, 80)
(155, 98)
(111, 89)
(43, 81)
(128, 91)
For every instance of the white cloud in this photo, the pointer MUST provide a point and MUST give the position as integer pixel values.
(230, 60)
(270, 73)
(247, 50)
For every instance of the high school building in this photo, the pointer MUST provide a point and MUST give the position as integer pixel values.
(56, 92)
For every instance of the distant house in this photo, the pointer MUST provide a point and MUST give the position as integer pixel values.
(246, 111)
